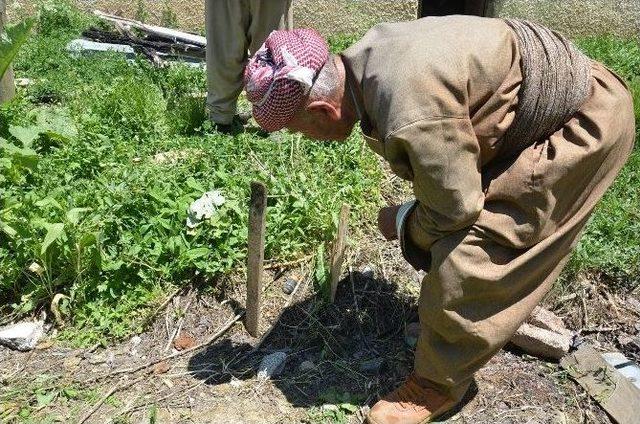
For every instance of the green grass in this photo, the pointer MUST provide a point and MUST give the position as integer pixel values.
(610, 246)
(107, 223)
(82, 197)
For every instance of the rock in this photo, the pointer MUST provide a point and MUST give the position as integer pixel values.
(372, 365)
(411, 334)
(161, 367)
(135, 341)
(306, 366)
(23, 336)
(271, 365)
(289, 285)
(541, 342)
(70, 364)
(368, 272)
(184, 342)
(546, 319)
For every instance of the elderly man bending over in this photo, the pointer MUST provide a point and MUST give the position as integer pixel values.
(510, 137)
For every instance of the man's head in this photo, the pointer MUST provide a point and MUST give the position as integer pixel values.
(293, 82)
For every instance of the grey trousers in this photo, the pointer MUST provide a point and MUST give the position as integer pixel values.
(234, 28)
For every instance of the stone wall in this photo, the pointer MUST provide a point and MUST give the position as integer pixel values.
(573, 17)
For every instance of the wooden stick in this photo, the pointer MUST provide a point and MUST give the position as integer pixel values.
(165, 33)
(338, 250)
(173, 355)
(113, 390)
(255, 256)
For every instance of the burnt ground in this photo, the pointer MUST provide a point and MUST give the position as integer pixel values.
(340, 357)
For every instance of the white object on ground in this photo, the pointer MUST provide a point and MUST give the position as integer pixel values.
(23, 336)
(79, 46)
(271, 365)
(204, 208)
(626, 367)
(368, 272)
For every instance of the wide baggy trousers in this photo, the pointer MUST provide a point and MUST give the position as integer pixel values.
(234, 28)
(484, 281)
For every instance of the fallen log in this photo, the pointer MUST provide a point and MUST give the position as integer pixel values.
(158, 31)
(143, 46)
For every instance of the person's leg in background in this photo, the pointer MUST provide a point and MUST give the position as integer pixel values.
(452, 7)
(235, 27)
(226, 23)
(267, 16)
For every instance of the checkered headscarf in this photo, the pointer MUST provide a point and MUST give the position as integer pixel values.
(280, 75)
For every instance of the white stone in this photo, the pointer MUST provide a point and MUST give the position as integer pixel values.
(271, 365)
(23, 336)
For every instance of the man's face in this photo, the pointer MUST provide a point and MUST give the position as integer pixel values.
(332, 132)
(323, 123)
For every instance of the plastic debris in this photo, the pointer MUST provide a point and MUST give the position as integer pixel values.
(78, 47)
(204, 208)
(271, 365)
(23, 336)
(626, 367)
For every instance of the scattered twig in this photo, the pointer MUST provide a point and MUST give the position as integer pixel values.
(281, 265)
(210, 340)
(567, 298)
(113, 390)
(286, 305)
(176, 332)
(164, 304)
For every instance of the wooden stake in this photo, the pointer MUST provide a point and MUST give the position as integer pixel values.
(255, 256)
(338, 250)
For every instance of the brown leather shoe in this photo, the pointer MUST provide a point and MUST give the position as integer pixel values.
(414, 402)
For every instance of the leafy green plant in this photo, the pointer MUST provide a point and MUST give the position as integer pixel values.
(13, 37)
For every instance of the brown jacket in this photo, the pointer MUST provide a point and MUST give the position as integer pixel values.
(435, 97)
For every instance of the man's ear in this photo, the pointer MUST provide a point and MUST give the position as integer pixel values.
(324, 108)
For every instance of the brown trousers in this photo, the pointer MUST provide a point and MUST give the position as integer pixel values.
(485, 281)
(234, 28)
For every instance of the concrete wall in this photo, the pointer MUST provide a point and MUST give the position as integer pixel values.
(573, 17)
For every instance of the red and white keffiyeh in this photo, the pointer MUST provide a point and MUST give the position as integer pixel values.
(280, 75)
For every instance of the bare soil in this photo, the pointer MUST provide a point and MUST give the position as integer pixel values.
(350, 352)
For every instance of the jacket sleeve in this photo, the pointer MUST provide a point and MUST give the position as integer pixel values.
(442, 158)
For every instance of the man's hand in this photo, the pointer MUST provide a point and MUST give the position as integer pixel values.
(387, 222)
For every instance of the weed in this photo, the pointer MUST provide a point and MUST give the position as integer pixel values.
(106, 221)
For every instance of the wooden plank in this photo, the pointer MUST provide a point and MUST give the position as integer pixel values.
(255, 256)
(339, 246)
(7, 85)
(614, 392)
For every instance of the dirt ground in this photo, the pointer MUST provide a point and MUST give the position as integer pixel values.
(340, 358)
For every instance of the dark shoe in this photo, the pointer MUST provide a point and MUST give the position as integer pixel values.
(235, 127)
